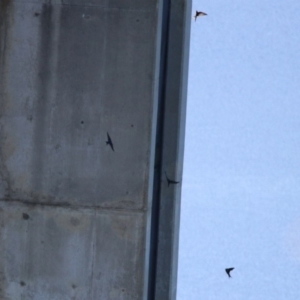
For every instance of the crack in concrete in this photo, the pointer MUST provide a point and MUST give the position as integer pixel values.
(67, 205)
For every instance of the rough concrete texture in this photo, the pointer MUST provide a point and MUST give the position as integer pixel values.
(75, 215)
(51, 253)
(70, 75)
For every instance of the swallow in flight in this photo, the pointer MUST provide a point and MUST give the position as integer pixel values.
(199, 14)
(228, 270)
(109, 142)
(171, 181)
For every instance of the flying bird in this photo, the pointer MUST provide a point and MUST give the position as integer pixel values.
(109, 142)
(199, 14)
(228, 270)
(171, 181)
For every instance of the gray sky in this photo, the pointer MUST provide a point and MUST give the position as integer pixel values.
(241, 183)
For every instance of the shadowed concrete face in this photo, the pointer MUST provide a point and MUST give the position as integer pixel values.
(75, 215)
(73, 212)
(80, 71)
(63, 252)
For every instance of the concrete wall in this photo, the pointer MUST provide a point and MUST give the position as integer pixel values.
(77, 219)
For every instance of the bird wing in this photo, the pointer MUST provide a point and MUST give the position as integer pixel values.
(108, 138)
(228, 270)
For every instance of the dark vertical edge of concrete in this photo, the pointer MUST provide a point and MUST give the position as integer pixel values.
(169, 148)
(148, 274)
(163, 31)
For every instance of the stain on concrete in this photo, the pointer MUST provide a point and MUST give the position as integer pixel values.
(42, 103)
(119, 204)
(7, 149)
(9, 146)
(123, 227)
(75, 223)
(4, 4)
(3, 280)
(6, 20)
(22, 283)
(25, 216)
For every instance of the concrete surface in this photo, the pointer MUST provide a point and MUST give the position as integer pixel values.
(174, 93)
(77, 218)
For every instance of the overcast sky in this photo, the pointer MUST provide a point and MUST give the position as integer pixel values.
(241, 182)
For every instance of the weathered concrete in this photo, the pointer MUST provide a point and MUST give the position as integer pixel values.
(75, 216)
(59, 253)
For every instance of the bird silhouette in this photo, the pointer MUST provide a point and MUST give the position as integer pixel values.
(199, 14)
(109, 142)
(228, 270)
(171, 181)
